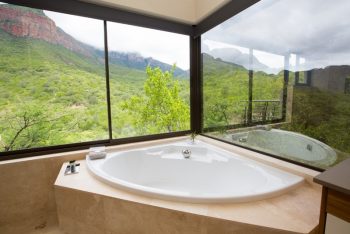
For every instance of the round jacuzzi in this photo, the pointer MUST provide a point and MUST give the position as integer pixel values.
(209, 174)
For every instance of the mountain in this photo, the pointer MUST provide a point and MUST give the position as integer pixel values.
(136, 61)
(235, 56)
(31, 23)
(25, 22)
(218, 64)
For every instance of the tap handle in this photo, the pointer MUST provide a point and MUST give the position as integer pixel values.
(72, 166)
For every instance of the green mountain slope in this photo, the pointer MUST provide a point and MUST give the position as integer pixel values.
(36, 75)
(225, 90)
(65, 89)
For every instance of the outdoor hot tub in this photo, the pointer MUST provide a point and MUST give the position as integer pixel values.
(192, 172)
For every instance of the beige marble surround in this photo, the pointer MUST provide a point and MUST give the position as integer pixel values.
(27, 199)
(87, 205)
(27, 203)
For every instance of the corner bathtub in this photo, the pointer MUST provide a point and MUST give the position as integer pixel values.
(209, 175)
(288, 144)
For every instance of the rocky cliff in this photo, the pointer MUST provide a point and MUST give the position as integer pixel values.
(26, 22)
(32, 23)
(135, 60)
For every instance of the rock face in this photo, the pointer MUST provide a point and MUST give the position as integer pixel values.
(25, 22)
(135, 60)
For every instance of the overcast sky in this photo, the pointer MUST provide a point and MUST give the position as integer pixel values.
(317, 30)
(164, 46)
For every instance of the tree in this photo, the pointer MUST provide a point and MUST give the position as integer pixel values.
(26, 127)
(159, 108)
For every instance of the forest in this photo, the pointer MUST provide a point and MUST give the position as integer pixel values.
(50, 95)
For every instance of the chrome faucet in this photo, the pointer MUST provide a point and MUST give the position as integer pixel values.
(186, 153)
(263, 127)
(72, 168)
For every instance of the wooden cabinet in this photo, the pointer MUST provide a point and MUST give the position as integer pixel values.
(335, 193)
(338, 204)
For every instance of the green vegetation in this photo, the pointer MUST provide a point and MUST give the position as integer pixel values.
(160, 109)
(50, 95)
(322, 115)
(225, 91)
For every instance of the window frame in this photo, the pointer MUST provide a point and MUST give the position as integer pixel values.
(111, 15)
(194, 32)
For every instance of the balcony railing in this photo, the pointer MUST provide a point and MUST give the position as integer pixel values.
(263, 111)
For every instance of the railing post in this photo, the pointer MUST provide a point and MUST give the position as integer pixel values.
(265, 111)
(285, 87)
(250, 89)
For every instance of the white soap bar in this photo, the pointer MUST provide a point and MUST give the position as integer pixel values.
(97, 149)
(97, 155)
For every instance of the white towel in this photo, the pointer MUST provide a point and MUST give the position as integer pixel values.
(97, 152)
(97, 155)
(98, 149)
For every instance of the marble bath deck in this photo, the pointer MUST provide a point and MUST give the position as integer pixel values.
(86, 205)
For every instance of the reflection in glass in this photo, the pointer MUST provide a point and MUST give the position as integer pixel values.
(224, 102)
(296, 69)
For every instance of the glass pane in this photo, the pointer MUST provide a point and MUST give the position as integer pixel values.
(225, 83)
(149, 80)
(298, 79)
(52, 79)
(267, 87)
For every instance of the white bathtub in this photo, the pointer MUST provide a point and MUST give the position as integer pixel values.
(209, 175)
(287, 144)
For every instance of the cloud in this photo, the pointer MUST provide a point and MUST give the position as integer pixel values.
(164, 46)
(317, 30)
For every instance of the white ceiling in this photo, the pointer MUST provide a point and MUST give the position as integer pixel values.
(184, 11)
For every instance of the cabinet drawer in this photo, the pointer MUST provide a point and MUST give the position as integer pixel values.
(338, 204)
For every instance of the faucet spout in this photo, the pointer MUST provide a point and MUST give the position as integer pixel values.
(186, 153)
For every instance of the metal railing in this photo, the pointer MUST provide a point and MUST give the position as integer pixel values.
(262, 111)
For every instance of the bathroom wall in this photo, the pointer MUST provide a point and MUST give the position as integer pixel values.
(27, 201)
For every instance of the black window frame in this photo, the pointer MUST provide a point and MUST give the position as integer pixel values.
(85, 9)
(105, 14)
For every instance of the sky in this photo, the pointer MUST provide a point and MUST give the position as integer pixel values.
(317, 31)
(164, 46)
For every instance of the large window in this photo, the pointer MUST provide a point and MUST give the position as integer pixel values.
(149, 80)
(52, 79)
(276, 79)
